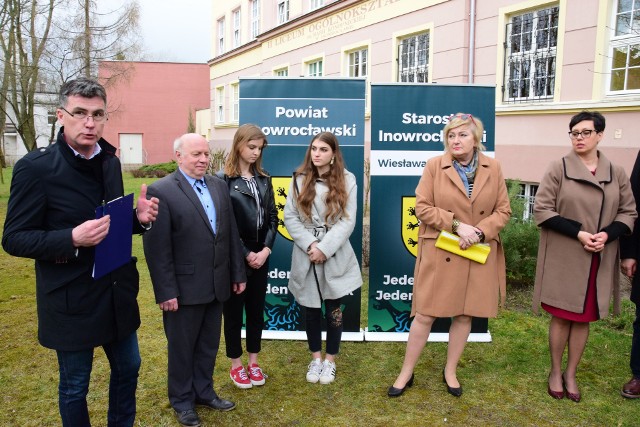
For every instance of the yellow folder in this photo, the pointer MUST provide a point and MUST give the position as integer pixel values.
(451, 243)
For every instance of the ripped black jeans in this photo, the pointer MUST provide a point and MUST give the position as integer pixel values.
(333, 315)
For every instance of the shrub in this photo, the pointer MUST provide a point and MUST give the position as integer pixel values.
(157, 170)
(520, 241)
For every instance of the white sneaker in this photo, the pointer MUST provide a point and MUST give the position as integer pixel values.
(314, 370)
(328, 372)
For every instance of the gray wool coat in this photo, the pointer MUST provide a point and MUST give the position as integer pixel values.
(340, 274)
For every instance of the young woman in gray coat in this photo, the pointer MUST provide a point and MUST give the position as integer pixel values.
(320, 215)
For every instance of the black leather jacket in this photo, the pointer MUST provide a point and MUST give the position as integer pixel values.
(244, 209)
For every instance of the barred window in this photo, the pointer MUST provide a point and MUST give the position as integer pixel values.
(255, 18)
(315, 4)
(530, 56)
(625, 47)
(413, 59)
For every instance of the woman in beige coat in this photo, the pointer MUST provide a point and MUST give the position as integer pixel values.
(584, 203)
(464, 192)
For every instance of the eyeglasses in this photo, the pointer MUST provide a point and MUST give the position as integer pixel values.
(584, 133)
(98, 116)
(463, 117)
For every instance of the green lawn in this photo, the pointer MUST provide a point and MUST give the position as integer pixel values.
(504, 382)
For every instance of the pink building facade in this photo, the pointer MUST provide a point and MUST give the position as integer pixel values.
(149, 106)
(547, 59)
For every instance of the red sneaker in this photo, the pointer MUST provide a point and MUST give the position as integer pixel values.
(255, 374)
(240, 378)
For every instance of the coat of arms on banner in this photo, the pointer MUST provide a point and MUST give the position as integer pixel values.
(280, 187)
(410, 224)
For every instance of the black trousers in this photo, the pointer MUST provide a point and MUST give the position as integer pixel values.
(193, 336)
(313, 322)
(252, 301)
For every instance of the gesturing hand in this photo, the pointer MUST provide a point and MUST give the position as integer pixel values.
(146, 209)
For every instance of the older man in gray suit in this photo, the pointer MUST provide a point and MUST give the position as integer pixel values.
(195, 261)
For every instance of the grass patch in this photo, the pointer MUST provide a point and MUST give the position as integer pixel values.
(504, 381)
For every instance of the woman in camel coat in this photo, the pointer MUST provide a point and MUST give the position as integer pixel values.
(584, 203)
(464, 192)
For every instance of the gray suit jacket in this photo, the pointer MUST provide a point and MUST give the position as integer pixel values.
(186, 259)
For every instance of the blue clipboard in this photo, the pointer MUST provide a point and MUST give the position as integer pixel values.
(115, 250)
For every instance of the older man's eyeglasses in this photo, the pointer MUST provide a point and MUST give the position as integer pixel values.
(98, 116)
(585, 133)
(462, 117)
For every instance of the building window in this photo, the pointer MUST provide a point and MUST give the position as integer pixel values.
(413, 62)
(221, 36)
(625, 47)
(314, 69)
(530, 55)
(235, 90)
(255, 18)
(52, 117)
(315, 4)
(220, 105)
(283, 11)
(236, 28)
(358, 63)
(528, 193)
(282, 72)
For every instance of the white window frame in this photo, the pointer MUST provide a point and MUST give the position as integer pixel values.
(235, 92)
(530, 65)
(315, 4)
(358, 62)
(283, 11)
(281, 72)
(413, 57)
(236, 20)
(220, 36)
(220, 104)
(314, 68)
(528, 193)
(626, 41)
(255, 19)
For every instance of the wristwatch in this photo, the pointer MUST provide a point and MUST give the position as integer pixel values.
(454, 225)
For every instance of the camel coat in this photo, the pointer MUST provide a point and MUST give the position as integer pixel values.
(569, 189)
(446, 284)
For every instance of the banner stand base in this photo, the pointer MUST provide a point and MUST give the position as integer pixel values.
(433, 337)
(302, 335)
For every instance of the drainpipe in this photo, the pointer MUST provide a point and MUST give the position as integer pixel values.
(472, 39)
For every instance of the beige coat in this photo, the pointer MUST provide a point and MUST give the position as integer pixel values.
(446, 284)
(570, 190)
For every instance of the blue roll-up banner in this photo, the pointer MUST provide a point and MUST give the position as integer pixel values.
(406, 130)
(290, 112)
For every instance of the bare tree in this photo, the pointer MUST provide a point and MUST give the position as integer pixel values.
(46, 43)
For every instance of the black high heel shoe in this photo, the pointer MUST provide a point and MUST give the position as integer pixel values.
(395, 392)
(454, 391)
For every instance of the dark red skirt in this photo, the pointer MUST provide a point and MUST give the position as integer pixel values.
(590, 312)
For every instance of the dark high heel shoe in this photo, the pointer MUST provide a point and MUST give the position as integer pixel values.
(555, 394)
(571, 396)
(454, 391)
(396, 392)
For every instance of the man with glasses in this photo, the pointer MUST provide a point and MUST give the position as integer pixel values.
(51, 218)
